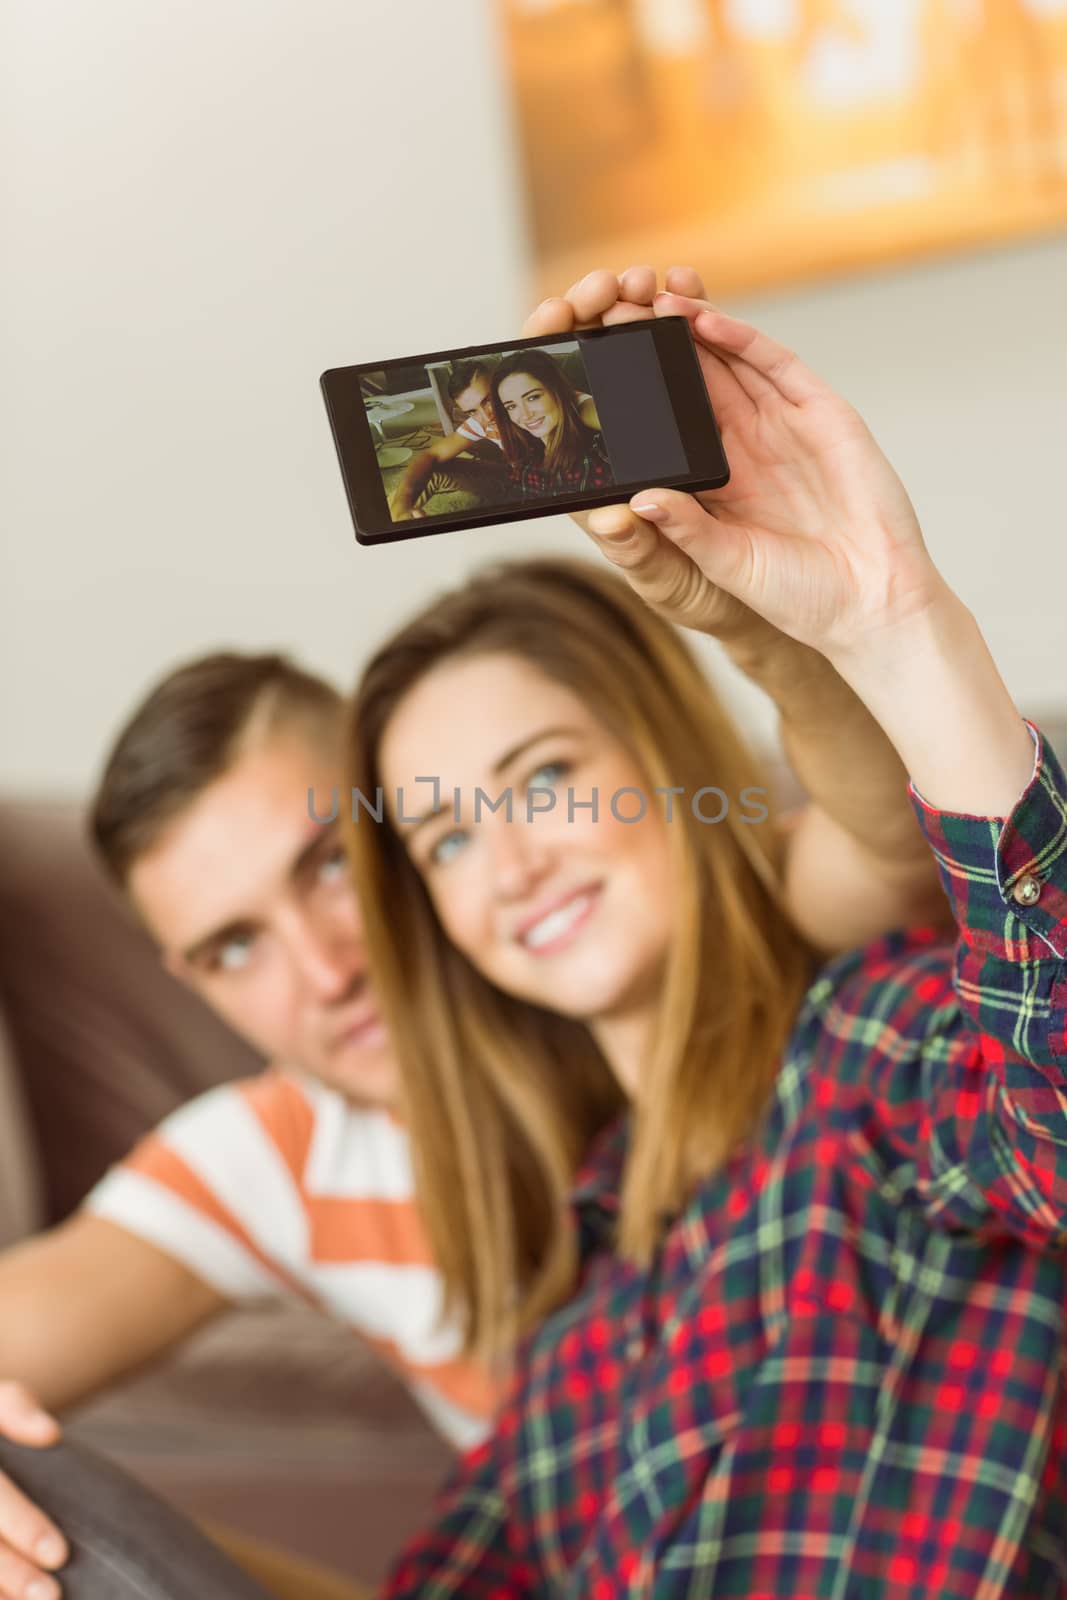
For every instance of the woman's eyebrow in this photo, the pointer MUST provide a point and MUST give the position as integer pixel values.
(517, 750)
(496, 769)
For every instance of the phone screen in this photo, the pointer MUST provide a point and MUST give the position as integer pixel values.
(524, 428)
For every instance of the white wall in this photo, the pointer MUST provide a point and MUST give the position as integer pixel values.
(207, 204)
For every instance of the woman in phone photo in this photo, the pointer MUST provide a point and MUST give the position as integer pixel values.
(548, 428)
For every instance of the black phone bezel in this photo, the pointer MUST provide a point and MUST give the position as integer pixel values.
(354, 439)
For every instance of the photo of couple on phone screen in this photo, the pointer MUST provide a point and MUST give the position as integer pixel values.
(486, 431)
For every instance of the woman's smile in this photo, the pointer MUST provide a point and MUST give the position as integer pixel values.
(550, 930)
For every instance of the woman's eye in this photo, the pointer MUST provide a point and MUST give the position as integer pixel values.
(548, 775)
(447, 846)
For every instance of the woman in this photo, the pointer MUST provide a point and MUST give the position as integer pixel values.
(549, 447)
(803, 1328)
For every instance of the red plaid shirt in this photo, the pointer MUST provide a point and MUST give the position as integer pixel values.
(843, 1374)
(593, 471)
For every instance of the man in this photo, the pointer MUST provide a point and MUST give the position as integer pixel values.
(205, 817)
(298, 1179)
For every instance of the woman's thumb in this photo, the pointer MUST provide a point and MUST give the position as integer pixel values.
(716, 548)
(677, 515)
(623, 538)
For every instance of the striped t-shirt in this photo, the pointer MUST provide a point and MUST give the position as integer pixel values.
(278, 1186)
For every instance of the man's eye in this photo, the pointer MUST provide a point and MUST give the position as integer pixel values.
(333, 868)
(233, 955)
(447, 846)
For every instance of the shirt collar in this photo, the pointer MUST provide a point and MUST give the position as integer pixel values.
(599, 1178)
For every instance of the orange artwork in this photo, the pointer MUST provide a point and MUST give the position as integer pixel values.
(768, 141)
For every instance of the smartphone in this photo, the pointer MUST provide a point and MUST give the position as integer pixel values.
(494, 433)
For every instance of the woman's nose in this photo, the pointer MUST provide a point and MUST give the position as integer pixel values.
(519, 859)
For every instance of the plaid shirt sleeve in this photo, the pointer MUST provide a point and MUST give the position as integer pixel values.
(974, 1116)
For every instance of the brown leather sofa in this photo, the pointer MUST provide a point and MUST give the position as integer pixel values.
(278, 1423)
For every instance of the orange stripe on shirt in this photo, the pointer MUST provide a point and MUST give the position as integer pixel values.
(344, 1230)
(285, 1115)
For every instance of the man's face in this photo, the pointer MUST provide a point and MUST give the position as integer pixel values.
(475, 401)
(252, 904)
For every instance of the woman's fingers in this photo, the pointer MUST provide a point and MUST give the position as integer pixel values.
(592, 296)
(671, 303)
(626, 311)
(638, 285)
(776, 362)
(772, 363)
(603, 296)
(685, 281)
(554, 315)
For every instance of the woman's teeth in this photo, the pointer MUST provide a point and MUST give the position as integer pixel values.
(556, 923)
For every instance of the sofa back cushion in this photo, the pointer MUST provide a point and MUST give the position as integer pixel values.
(20, 1173)
(107, 1042)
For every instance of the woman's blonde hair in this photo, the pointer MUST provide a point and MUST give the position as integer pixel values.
(502, 1097)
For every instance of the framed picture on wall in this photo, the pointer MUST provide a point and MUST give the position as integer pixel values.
(771, 141)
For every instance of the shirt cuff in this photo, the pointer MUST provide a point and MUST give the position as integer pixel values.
(1015, 864)
(1035, 736)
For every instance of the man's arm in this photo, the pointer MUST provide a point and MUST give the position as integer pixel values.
(87, 1304)
(419, 468)
(588, 412)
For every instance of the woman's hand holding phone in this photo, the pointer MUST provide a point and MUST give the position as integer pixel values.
(815, 531)
(662, 573)
(816, 534)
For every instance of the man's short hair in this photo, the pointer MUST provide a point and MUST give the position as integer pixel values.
(464, 373)
(190, 730)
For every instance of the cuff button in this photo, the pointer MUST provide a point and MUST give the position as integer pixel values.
(1027, 891)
